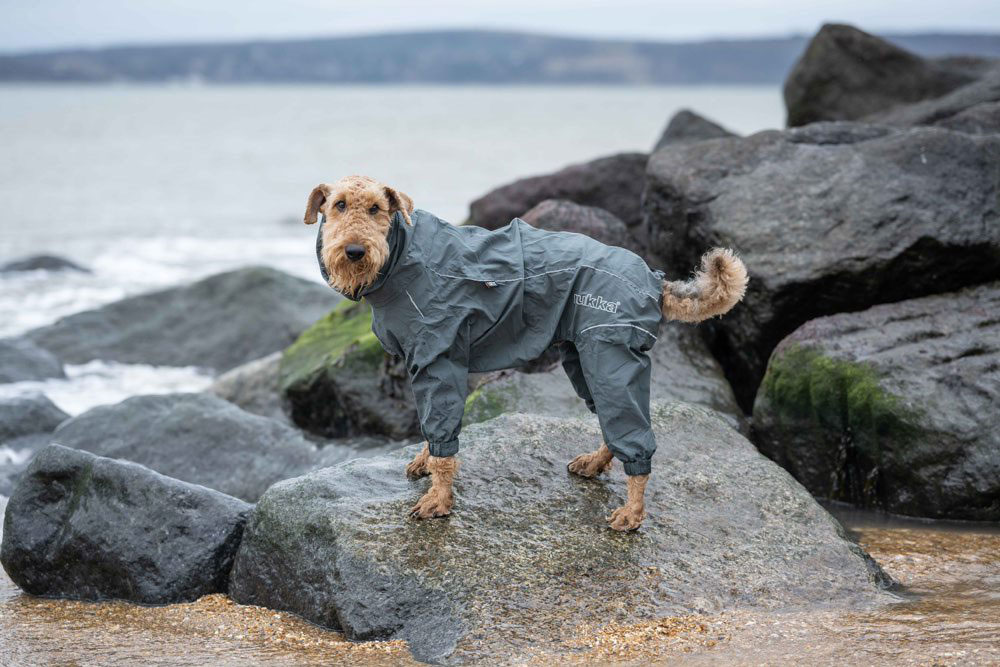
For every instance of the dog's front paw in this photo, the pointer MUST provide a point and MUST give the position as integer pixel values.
(589, 465)
(627, 517)
(417, 468)
(433, 504)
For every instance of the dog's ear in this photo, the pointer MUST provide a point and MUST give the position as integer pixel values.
(316, 199)
(399, 201)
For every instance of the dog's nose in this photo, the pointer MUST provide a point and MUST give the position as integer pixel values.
(354, 252)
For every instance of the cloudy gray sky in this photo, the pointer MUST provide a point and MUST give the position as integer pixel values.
(39, 24)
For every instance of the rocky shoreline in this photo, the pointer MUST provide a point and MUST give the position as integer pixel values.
(863, 367)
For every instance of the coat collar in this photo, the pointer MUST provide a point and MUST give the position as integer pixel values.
(397, 238)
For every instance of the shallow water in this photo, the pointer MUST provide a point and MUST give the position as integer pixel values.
(949, 614)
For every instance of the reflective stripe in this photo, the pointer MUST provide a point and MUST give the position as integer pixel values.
(414, 303)
(595, 326)
(546, 273)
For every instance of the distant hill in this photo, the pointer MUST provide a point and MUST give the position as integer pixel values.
(452, 57)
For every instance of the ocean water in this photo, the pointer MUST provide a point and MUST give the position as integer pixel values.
(152, 186)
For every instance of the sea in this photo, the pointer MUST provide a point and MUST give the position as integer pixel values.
(154, 186)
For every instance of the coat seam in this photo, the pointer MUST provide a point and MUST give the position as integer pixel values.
(625, 280)
(419, 312)
(595, 326)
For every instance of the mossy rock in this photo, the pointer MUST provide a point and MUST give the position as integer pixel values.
(892, 407)
(334, 383)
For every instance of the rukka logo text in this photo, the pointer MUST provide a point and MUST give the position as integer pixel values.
(596, 302)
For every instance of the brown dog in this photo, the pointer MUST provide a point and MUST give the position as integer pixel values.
(355, 250)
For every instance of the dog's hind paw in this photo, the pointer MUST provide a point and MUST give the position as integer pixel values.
(627, 517)
(432, 505)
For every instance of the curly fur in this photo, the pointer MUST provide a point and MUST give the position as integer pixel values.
(718, 286)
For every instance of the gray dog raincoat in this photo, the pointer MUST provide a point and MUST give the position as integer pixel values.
(451, 300)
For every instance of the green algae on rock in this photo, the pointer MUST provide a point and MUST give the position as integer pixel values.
(336, 380)
(526, 552)
(892, 407)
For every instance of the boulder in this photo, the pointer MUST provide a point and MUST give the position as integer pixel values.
(526, 554)
(686, 127)
(612, 183)
(90, 528)
(197, 438)
(683, 370)
(892, 407)
(337, 381)
(829, 218)
(973, 108)
(559, 215)
(23, 361)
(845, 74)
(26, 423)
(42, 263)
(253, 387)
(219, 322)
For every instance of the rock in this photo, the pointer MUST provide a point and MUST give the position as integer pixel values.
(219, 322)
(972, 108)
(197, 438)
(27, 415)
(558, 215)
(829, 218)
(686, 127)
(892, 407)
(337, 381)
(612, 183)
(526, 554)
(42, 262)
(23, 361)
(846, 74)
(253, 387)
(683, 370)
(85, 527)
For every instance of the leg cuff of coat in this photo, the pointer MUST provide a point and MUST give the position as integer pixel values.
(442, 449)
(638, 467)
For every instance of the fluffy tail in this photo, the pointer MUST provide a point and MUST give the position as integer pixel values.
(717, 286)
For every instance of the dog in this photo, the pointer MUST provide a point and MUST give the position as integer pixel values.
(454, 299)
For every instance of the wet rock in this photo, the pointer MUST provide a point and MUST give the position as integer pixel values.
(686, 127)
(829, 218)
(85, 527)
(611, 183)
(526, 554)
(973, 108)
(22, 361)
(337, 381)
(197, 438)
(892, 407)
(219, 322)
(42, 262)
(253, 387)
(558, 215)
(683, 370)
(26, 423)
(846, 74)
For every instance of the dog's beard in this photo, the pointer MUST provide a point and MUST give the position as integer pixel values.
(350, 277)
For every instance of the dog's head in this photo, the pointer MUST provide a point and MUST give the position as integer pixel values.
(358, 212)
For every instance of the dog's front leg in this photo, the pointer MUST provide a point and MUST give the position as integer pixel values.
(418, 466)
(438, 500)
(630, 515)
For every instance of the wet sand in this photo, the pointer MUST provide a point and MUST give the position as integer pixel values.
(949, 613)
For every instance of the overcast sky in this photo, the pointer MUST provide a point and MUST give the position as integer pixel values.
(39, 24)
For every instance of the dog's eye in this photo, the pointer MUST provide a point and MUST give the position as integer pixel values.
(341, 205)
(374, 209)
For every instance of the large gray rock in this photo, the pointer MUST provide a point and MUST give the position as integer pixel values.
(845, 74)
(219, 322)
(22, 361)
(612, 183)
(526, 552)
(831, 217)
(683, 370)
(253, 387)
(559, 215)
(26, 423)
(42, 262)
(892, 407)
(197, 438)
(973, 108)
(686, 127)
(84, 527)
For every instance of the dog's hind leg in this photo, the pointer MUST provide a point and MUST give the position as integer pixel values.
(418, 466)
(592, 464)
(438, 500)
(630, 515)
